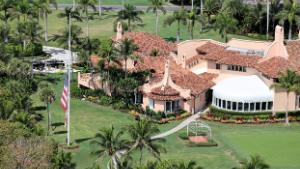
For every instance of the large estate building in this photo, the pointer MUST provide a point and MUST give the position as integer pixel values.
(235, 76)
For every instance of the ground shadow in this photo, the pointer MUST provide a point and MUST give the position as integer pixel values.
(80, 140)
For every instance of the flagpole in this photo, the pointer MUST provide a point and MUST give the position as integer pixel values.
(69, 83)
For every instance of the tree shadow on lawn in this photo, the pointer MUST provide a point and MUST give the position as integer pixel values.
(81, 140)
(59, 132)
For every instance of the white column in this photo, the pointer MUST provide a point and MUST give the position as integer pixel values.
(260, 106)
(231, 107)
(243, 106)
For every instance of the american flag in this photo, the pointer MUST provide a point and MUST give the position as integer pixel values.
(64, 97)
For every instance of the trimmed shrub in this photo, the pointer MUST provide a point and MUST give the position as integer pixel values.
(210, 143)
(105, 100)
(119, 105)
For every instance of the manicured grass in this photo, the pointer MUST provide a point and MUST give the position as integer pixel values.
(277, 144)
(103, 27)
(111, 2)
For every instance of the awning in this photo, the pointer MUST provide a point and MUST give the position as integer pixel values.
(243, 89)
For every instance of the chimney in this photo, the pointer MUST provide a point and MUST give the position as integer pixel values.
(279, 34)
(119, 31)
(299, 35)
(167, 77)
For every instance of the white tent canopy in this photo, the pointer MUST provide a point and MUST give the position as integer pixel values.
(243, 89)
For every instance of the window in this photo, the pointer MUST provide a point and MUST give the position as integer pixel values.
(151, 104)
(270, 105)
(298, 101)
(257, 106)
(219, 102)
(218, 66)
(240, 106)
(246, 106)
(139, 98)
(236, 68)
(228, 105)
(264, 106)
(223, 104)
(234, 105)
(251, 106)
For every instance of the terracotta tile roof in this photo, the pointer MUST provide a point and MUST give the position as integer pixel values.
(293, 49)
(234, 58)
(180, 76)
(167, 94)
(147, 42)
(273, 67)
(163, 98)
(210, 51)
(167, 91)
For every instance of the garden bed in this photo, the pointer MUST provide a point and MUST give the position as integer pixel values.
(224, 116)
(188, 141)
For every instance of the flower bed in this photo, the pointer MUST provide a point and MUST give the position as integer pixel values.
(224, 116)
(210, 143)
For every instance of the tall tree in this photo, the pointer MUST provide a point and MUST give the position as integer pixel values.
(44, 6)
(155, 7)
(131, 14)
(126, 49)
(7, 7)
(109, 143)
(225, 24)
(212, 8)
(178, 16)
(47, 95)
(109, 55)
(73, 13)
(192, 19)
(84, 5)
(141, 133)
(289, 81)
(290, 13)
(62, 39)
(256, 162)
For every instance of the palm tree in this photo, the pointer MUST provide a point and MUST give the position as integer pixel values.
(183, 165)
(268, 18)
(192, 19)
(47, 96)
(99, 8)
(63, 38)
(130, 14)
(180, 18)
(126, 49)
(212, 7)
(70, 12)
(109, 143)
(63, 160)
(256, 162)
(225, 23)
(25, 9)
(141, 133)
(155, 6)
(87, 47)
(44, 6)
(108, 54)
(291, 13)
(7, 7)
(84, 5)
(290, 82)
(33, 31)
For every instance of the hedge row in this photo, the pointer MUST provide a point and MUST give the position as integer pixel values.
(225, 114)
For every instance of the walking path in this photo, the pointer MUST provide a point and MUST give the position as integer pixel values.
(179, 127)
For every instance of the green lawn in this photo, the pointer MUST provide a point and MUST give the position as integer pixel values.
(277, 144)
(103, 27)
(111, 2)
